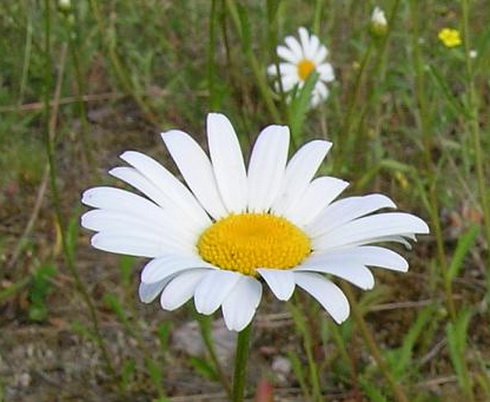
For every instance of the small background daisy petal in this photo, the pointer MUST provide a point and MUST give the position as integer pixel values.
(240, 305)
(295, 47)
(266, 167)
(326, 72)
(195, 167)
(289, 55)
(326, 293)
(305, 43)
(280, 281)
(227, 160)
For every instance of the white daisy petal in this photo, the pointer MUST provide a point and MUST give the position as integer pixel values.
(266, 167)
(314, 46)
(215, 287)
(326, 72)
(285, 69)
(326, 293)
(299, 172)
(149, 291)
(195, 167)
(163, 267)
(289, 81)
(320, 55)
(227, 160)
(305, 43)
(295, 47)
(181, 288)
(280, 281)
(402, 239)
(356, 274)
(368, 255)
(178, 197)
(386, 224)
(135, 245)
(165, 228)
(320, 192)
(240, 305)
(347, 209)
(321, 92)
(132, 177)
(287, 54)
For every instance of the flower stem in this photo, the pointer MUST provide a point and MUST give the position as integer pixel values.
(241, 357)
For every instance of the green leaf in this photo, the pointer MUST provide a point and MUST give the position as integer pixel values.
(456, 333)
(39, 289)
(163, 332)
(465, 243)
(204, 368)
(300, 106)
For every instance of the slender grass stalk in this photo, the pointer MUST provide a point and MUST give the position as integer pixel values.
(55, 193)
(206, 335)
(373, 347)
(474, 129)
(258, 72)
(299, 319)
(345, 131)
(27, 58)
(430, 169)
(118, 66)
(241, 358)
(211, 62)
(73, 35)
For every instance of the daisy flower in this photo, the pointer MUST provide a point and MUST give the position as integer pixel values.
(301, 58)
(231, 229)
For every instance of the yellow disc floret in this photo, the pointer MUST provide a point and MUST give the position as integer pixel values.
(305, 67)
(245, 242)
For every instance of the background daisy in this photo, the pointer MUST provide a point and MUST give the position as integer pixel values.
(302, 57)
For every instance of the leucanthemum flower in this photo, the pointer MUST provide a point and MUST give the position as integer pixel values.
(301, 58)
(230, 229)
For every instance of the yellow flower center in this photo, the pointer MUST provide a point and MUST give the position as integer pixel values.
(305, 67)
(450, 37)
(245, 242)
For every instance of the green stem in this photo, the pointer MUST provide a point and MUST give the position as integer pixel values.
(257, 69)
(474, 128)
(428, 144)
(56, 198)
(241, 358)
(119, 69)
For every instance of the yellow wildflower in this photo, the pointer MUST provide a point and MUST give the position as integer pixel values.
(449, 37)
